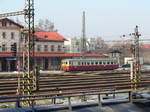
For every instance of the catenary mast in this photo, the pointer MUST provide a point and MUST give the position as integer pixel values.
(28, 82)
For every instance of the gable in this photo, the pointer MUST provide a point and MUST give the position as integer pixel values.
(5, 22)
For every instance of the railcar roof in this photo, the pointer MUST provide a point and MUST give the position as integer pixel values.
(93, 59)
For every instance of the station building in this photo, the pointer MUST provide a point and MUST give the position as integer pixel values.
(49, 47)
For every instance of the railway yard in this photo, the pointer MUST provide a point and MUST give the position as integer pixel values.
(74, 82)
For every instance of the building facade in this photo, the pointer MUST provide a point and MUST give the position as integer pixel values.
(10, 33)
(49, 42)
(49, 47)
(73, 45)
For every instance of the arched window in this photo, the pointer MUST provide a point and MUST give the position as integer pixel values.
(4, 48)
(38, 48)
(52, 48)
(4, 35)
(12, 35)
(59, 48)
(46, 48)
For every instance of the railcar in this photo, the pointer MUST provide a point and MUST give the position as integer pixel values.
(89, 64)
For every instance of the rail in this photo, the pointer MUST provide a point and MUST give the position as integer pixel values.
(19, 99)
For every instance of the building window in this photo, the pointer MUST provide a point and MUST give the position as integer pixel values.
(52, 48)
(100, 63)
(12, 35)
(77, 43)
(46, 36)
(4, 23)
(10, 23)
(38, 48)
(4, 48)
(59, 48)
(45, 48)
(4, 35)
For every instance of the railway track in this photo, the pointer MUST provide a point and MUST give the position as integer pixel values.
(56, 83)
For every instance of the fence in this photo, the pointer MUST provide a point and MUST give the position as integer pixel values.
(32, 98)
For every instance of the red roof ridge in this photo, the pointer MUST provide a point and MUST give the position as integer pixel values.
(50, 54)
(145, 46)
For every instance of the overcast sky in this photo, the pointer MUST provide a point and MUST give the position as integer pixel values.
(106, 18)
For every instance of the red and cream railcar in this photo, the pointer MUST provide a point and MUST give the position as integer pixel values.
(89, 64)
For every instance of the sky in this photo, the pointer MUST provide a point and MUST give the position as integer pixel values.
(107, 18)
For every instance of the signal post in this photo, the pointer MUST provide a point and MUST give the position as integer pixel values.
(135, 62)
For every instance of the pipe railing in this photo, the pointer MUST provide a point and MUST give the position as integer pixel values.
(61, 94)
(32, 98)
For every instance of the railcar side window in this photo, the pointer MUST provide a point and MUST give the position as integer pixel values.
(88, 63)
(69, 62)
(78, 63)
(96, 63)
(100, 63)
(112, 63)
(92, 63)
(108, 63)
(104, 63)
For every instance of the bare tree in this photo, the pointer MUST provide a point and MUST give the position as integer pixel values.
(100, 43)
(96, 45)
(18, 21)
(46, 25)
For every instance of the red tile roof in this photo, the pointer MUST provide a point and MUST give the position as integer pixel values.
(49, 36)
(145, 46)
(68, 55)
(4, 54)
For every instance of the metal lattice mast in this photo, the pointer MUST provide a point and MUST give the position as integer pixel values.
(135, 71)
(28, 80)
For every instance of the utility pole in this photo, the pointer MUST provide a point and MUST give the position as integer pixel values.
(83, 39)
(135, 65)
